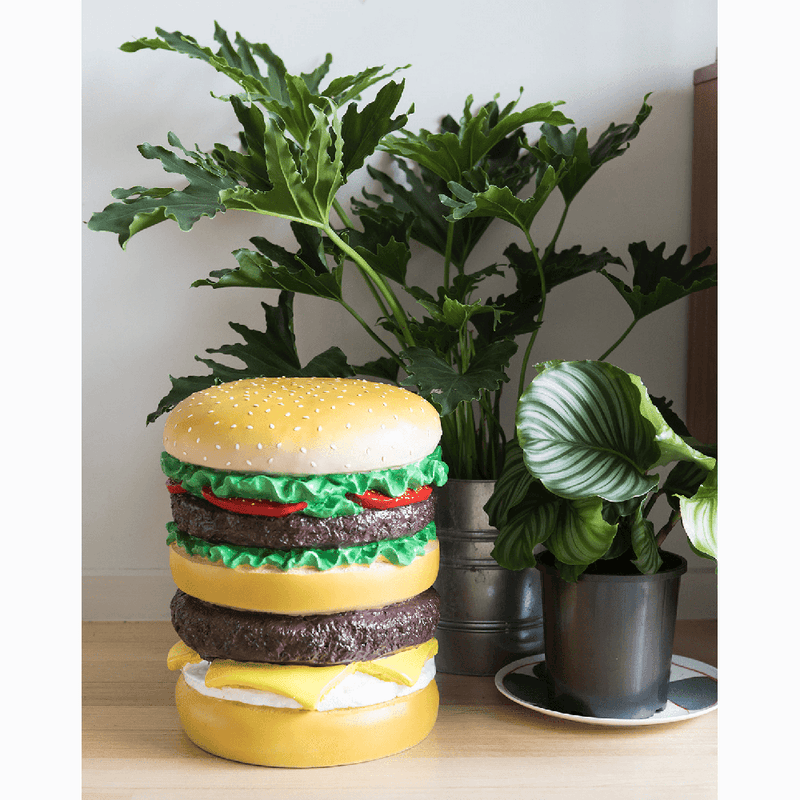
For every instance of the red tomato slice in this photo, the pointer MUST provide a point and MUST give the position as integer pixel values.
(261, 508)
(175, 487)
(372, 499)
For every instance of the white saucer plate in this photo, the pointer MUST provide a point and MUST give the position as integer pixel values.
(682, 669)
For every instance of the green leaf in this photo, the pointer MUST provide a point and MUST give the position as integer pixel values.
(659, 280)
(523, 304)
(699, 516)
(582, 434)
(239, 63)
(384, 368)
(383, 244)
(445, 386)
(274, 267)
(141, 208)
(500, 202)
(522, 510)
(571, 147)
(683, 479)
(671, 447)
(268, 353)
(363, 130)
(580, 534)
(304, 191)
(350, 87)
(532, 523)
(527, 514)
(511, 487)
(417, 206)
(450, 155)
(255, 270)
(643, 539)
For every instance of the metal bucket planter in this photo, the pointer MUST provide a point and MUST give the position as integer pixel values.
(490, 616)
(608, 639)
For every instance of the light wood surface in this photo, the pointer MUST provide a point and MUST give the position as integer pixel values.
(483, 746)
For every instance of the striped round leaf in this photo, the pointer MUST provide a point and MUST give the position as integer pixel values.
(581, 535)
(699, 516)
(582, 433)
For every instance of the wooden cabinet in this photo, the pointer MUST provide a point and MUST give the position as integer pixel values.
(701, 390)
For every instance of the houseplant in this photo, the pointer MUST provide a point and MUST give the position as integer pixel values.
(302, 138)
(581, 483)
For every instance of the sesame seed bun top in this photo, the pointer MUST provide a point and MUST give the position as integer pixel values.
(302, 426)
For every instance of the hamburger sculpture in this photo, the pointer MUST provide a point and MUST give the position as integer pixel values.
(304, 551)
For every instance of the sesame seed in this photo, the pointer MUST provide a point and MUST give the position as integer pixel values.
(219, 447)
(296, 428)
(260, 446)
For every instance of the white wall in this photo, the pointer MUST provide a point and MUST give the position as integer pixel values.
(142, 320)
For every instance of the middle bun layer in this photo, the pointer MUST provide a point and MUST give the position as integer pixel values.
(219, 632)
(199, 518)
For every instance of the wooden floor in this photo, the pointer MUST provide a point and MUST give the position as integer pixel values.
(483, 745)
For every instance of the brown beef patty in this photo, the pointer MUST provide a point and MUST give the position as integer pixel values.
(320, 639)
(201, 519)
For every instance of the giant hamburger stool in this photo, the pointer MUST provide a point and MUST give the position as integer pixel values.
(304, 552)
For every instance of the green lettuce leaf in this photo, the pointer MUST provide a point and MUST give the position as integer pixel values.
(400, 552)
(326, 495)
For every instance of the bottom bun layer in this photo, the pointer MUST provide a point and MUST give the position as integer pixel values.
(288, 737)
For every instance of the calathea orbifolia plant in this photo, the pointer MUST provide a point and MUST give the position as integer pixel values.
(300, 142)
(581, 475)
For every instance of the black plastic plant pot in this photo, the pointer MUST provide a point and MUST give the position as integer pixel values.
(608, 638)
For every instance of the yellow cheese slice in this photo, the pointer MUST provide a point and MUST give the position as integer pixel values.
(403, 667)
(180, 655)
(307, 685)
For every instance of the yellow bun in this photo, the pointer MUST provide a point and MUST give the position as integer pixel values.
(302, 426)
(304, 590)
(289, 737)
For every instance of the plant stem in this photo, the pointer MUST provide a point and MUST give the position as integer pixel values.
(552, 245)
(372, 333)
(651, 502)
(618, 342)
(543, 289)
(662, 534)
(397, 311)
(448, 253)
(337, 207)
